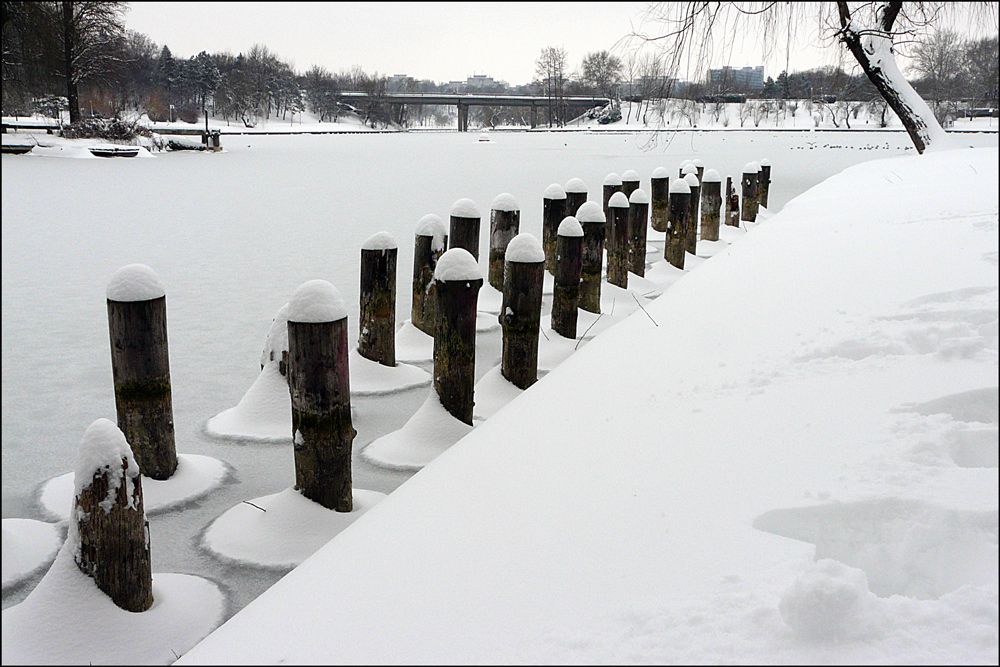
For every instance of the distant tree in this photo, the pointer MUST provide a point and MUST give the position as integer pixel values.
(770, 89)
(602, 72)
(980, 60)
(550, 68)
(322, 93)
(938, 61)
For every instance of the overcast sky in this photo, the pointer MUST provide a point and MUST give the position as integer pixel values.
(438, 41)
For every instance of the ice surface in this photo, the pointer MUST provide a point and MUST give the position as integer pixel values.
(570, 226)
(316, 301)
(135, 282)
(524, 248)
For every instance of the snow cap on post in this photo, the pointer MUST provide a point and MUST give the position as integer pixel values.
(689, 168)
(685, 163)
(430, 225)
(711, 176)
(576, 185)
(465, 208)
(380, 241)
(680, 186)
(102, 448)
(554, 191)
(135, 282)
(612, 179)
(457, 264)
(590, 211)
(751, 168)
(697, 162)
(660, 172)
(765, 163)
(630, 175)
(505, 202)
(692, 180)
(618, 200)
(316, 301)
(524, 248)
(638, 196)
(570, 226)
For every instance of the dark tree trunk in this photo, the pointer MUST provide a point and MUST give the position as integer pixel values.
(69, 46)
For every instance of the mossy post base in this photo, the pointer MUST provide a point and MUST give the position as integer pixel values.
(322, 432)
(691, 235)
(566, 287)
(677, 215)
(464, 233)
(377, 339)
(504, 226)
(659, 203)
(553, 212)
(520, 318)
(114, 544)
(711, 204)
(749, 196)
(140, 365)
(455, 345)
(425, 257)
(592, 258)
(618, 246)
(637, 221)
(763, 184)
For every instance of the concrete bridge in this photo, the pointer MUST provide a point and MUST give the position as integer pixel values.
(464, 101)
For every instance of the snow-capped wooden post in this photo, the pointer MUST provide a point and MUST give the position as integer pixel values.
(691, 235)
(430, 242)
(680, 170)
(699, 168)
(732, 204)
(566, 287)
(630, 182)
(764, 182)
(458, 281)
(521, 313)
(711, 203)
(660, 199)
(553, 211)
(638, 213)
(618, 240)
(140, 366)
(377, 337)
(505, 222)
(677, 218)
(464, 229)
(591, 218)
(612, 184)
(750, 172)
(320, 388)
(108, 521)
(576, 194)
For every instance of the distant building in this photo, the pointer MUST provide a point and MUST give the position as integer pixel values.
(474, 83)
(731, 78)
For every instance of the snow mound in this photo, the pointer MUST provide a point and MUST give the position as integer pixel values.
(102, 449)
(380, 241)
(554, 191)
(570, 226)
(576, 185)
(751, 168)
(135, 282)
(505, 202)
(427, 434)
(630, 175)
(464, 208)
(316, 301)
(711, 176)
(370, 378)
(612, 179)
(689, 168)
(28, 546)
(457, 264)
(829, 601)
(590, 211)
(524, 248)
(638, 196)
(618, 200)
(692, 180)
(660, 172)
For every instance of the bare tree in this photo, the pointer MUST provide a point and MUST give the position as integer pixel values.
(603, 72)
(867, 30)
(938, 61)
(551, 71)
(90, 32)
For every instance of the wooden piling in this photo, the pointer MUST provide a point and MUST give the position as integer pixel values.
(464, 229)
(612, 184)
(618, 237)
(660, 199)
(699, 166)
(109, 521)
(553, 211)
(680, 171)
(711, 205)
(691, 235)
(677, 219)
(638, 213)
(521, 313)
(763, 182)
(750, 172)
(430, 242)
(458, 281)
(377, 328)
(576, 194)
(505, 222)
(140, 365)
(732, 204)
(630, 182)
(319, 384)
(591, 218)
(566, 287)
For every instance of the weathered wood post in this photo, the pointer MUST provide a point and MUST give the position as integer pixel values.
(505, 222)
(732, 204)
(464, 229)
(377, 335)
(764, 182)
(553, 211)
(659, 182)
(521, 313)
(618, 240)
(691, 235)
(630, 182)
(612, 184)
(677, 218)
(108, 522)
(576, 194)
(699, 168)
(591, 218)
(458, 281)
(430, 242)
(566, 287)
(638, 213)
(750, 172)
(140, 365)
(680, 170)
(320, 389)
(711, 204)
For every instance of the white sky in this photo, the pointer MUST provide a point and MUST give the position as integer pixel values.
(437, 41)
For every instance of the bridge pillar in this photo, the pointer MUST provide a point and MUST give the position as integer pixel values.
(463, 117)
(534, 116)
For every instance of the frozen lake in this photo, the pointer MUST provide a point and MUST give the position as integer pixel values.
(232, 235)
